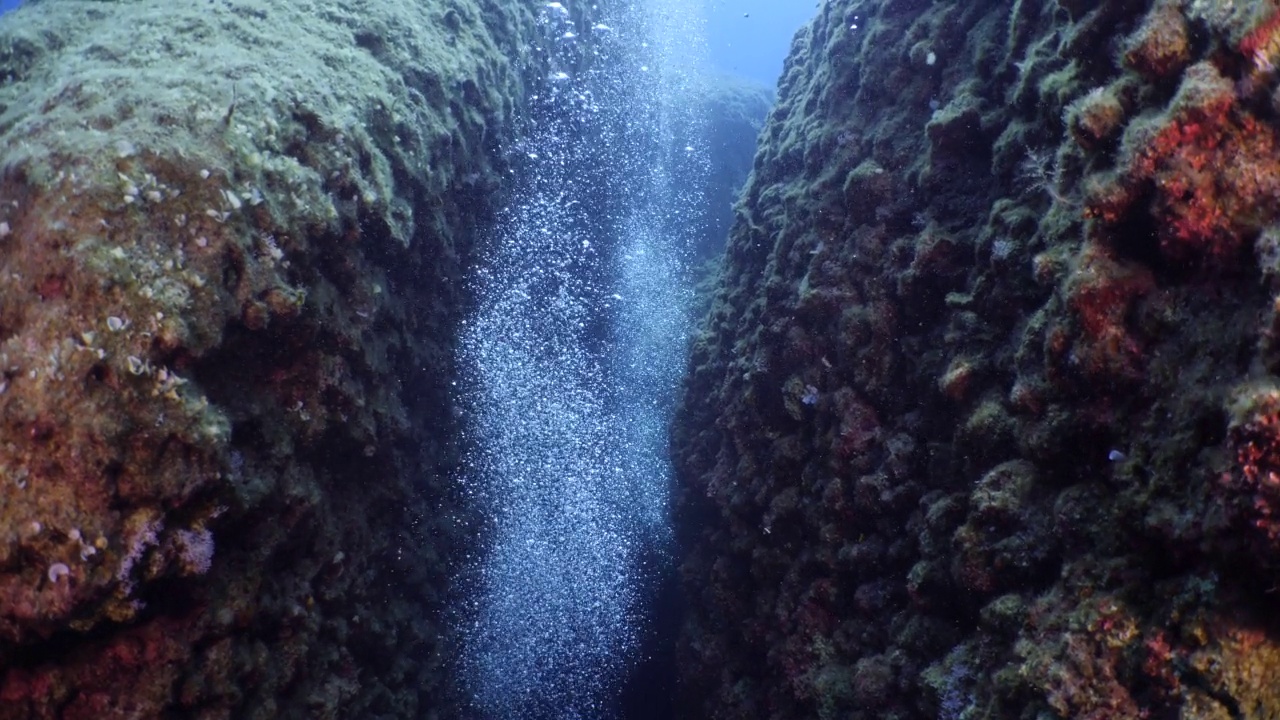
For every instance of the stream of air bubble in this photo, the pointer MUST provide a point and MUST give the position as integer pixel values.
(571, 360)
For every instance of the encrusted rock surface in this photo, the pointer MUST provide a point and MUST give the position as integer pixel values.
(230, 245)
(984, 419)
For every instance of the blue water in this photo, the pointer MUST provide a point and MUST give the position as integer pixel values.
(7, 5)
(750, 38)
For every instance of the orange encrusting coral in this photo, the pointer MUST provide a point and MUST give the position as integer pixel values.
(1101, 292)
(1213, 177)
(1263, 41)
(1210, 169)
(1255, 478)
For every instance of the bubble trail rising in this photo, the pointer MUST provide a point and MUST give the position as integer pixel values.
(571, 361)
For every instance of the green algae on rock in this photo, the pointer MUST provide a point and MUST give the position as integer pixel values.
(1024, 255)
(230, 236)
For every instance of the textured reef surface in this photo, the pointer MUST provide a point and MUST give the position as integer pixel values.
(984, 420)
(230, 242)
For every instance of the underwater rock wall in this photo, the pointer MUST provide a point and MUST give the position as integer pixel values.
(231, 235)
(735, 110)
(983, 421)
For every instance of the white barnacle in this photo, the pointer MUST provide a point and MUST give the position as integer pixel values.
(130, 188)
(57, 571)
(136, 365)
(116, 324)
(270, 247)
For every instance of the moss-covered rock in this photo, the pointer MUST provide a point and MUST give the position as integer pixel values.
(231, 236)
(1033, 289)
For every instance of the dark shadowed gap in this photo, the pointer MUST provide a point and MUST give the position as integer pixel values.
(649, 693)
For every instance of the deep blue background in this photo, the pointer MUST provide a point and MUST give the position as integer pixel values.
(754, 46)
(7, 5)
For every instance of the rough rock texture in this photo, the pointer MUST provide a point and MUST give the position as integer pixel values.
(984, 421)
(230, 243)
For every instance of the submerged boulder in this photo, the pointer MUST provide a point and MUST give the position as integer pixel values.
(231, 236)
(1035, 242)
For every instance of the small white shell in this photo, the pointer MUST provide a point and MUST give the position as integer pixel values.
(57, 571)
